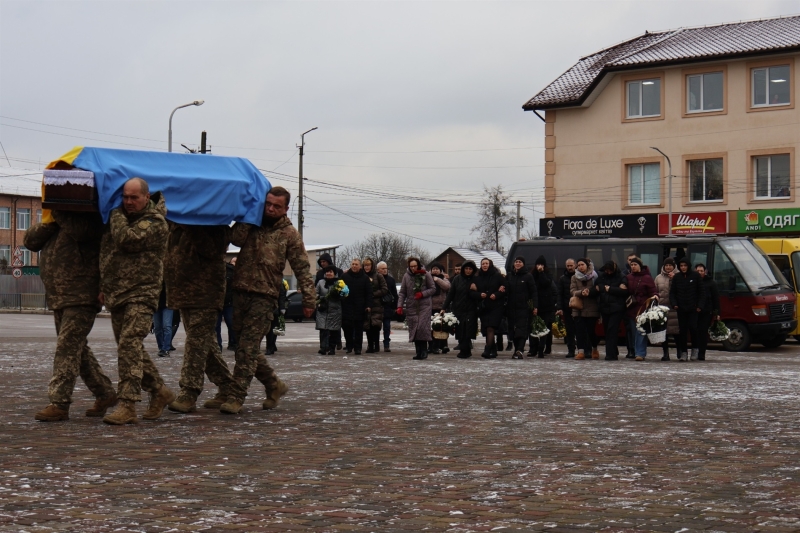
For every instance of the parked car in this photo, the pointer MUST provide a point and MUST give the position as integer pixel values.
(294, 311)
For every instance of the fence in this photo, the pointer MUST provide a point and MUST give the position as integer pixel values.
(26, 292)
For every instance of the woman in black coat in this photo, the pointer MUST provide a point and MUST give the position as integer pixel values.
(356, 306)
(463, 300)
(548, 305)
(491, 288)
(520, 303)
(611, 292)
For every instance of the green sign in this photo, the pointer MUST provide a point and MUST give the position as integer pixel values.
(768, 221)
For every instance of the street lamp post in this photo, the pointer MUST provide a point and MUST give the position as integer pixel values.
(300, 192)
(169, 142)
(669, 197)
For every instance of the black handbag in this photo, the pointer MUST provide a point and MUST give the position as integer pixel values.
(387, 298)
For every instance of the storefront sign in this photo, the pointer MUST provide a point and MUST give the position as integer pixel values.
(600, 225)
(694, 223)
(768, 221)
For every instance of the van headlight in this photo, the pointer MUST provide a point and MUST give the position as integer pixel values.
(760, 310)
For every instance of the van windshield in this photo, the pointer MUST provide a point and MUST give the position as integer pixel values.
(753, 265)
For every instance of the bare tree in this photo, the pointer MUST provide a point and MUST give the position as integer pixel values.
(392, 249)
(495, 219)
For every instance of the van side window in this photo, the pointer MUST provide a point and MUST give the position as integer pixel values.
(725, 274)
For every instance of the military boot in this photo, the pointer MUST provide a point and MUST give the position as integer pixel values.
(53, 413)
(215, 402)
(125, 413)
(279, 389)
(158, 401)
(184, 403)
(232, 406)
(101, 404)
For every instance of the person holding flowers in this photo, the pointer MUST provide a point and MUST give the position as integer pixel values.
(414, 301)
(437, 301)
(491, 286)
(463, 299)
(356, 307)
(330, 291)
(520, 306)
(641, 287)
(374, 320)
(585, 312)
(663, 282)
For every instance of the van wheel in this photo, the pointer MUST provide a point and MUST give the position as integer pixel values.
(739, 340)
(774, 342)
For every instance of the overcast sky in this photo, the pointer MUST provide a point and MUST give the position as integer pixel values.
(418, 99)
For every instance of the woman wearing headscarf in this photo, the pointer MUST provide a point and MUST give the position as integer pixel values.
(586, 317)
(611, 292)
(491, 288)
(521, 300)
(374, 319)
(329, 312)
(463, 299)
(548, 304)
(414, 300)
(437, 301)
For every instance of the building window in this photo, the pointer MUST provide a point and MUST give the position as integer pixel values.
(26, 256)
(705, 180)
(771, 86)
(5, 253)
(644, 184)
(38, 216)
(772, 176)
(23, 218)
(5, 217)
(644, 98)
(704, 92)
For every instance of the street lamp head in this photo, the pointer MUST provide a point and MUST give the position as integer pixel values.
(198, 102)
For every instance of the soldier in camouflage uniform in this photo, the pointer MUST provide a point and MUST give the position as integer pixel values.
(131, 265)
(256, 283)
(195, 274)
(70, 269)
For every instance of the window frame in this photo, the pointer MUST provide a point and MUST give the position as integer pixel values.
(5, 251)
(688, 72)
(7, 218)
(23, 211)
(642, 76)
(27, 256)
(686, 193)
(626, 164)
(751, 175)
(755, 65)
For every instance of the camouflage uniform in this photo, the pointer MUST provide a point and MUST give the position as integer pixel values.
(70, 270)
(131, 264)
(257, 281)
(195, 275)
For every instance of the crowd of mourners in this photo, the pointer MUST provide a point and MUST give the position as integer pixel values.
(502, 305)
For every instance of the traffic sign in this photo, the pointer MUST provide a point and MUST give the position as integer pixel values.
(17, 262)
(17, 252)
(17, 272)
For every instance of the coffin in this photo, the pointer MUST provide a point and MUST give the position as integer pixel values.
(69, 190)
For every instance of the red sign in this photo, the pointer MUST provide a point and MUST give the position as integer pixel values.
(17, 273)
(694, 223)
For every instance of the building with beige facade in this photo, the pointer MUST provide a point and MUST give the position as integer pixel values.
(717, 103)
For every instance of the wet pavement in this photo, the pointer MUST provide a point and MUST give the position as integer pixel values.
(384, 443)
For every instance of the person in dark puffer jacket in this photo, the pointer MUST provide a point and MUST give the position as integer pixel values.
(464, 302)
(687, 296)
(709, 312)
(611, 292)
(521, 295)
(547, 307)
(491, 287)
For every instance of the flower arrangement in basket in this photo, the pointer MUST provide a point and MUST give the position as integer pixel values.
(559, 330)
(538, 327)
(281, 329)
(442, 325)
(718, 331)
(653, 321)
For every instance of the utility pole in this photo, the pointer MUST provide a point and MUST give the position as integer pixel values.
(203, 142)
(519, 221)
(300, 191)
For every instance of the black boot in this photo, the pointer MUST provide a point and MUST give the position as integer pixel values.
(418, 346)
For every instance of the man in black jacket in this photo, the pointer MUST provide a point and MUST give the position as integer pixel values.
(709, 312)
(389, 307)
(547, 307)
(611, 292)
(687, 296)
(464, 304)
(521, 300)
(563, 303)
(356, 306)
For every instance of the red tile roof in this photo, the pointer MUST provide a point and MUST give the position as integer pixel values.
(684, 45)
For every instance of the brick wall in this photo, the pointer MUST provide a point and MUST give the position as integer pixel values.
(13, 237)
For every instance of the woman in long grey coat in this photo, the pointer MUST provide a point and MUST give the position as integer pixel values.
(329, 312)
(414, 300)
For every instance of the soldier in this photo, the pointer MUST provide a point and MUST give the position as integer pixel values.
(70, 269)
(195, 274)
(256, 282)
(131, 267)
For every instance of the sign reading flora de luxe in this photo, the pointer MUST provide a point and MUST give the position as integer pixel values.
(600, 225)
(694, 223)
(768, 221)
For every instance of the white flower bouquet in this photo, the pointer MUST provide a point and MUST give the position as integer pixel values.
(445, 323)
(538, 327)
(653, 322)
(718, 331)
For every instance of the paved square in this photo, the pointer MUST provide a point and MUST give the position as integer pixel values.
(384, 443)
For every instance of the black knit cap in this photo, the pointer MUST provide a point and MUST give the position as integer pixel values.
(519, 258)
(541, 260)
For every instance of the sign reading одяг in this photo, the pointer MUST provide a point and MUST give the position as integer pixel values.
(768, 220)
